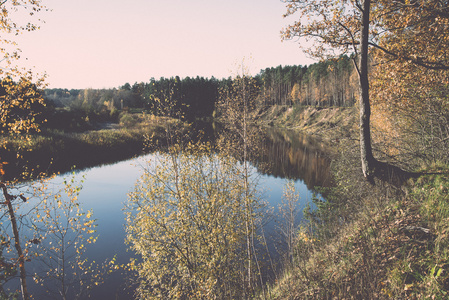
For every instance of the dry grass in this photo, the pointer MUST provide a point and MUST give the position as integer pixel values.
(367, 242)
(374, 242)
(326, 123)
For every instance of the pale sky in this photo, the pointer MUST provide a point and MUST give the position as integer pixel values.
(106, 43)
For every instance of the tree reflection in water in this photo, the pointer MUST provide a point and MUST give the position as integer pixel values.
(292, 155)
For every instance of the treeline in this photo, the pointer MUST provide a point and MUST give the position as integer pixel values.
(194, 97)
(327, 83)
(79, 110)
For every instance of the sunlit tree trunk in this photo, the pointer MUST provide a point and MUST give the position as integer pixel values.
(366, 151)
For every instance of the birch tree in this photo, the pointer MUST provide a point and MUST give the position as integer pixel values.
(237, 104)
(396, 28)
(337, 27)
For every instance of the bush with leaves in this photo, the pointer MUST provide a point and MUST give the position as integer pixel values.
(186, 219)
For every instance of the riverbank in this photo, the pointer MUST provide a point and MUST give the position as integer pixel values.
(57, 151)
(366, 241)
(326, 123)
(53, 151)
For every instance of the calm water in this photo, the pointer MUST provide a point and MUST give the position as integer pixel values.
(105, 192)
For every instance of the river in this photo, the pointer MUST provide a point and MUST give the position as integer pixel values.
(104, 191)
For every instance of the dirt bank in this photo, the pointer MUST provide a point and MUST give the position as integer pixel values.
(327, 123)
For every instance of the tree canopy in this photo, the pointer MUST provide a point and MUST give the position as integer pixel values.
(16, 17)
(402, 31)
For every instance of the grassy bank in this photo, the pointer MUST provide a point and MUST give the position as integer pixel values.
(365, 241)
(53, 151)
(375, 245)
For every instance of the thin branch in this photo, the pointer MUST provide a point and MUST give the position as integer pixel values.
(21, 258)
(418, 61)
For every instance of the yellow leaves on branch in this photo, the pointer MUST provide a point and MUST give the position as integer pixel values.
(185, 219)
(332, 26)
(16, 16)
(18, 100)
(2, 171)
(21, 105)
(61, 227)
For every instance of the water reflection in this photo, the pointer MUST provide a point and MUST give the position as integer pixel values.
(293, 155)
(283, 154)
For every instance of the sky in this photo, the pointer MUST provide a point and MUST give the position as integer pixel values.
(107, 43)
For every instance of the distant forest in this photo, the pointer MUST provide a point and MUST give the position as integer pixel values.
(327, 83)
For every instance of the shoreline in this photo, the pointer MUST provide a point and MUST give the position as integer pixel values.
(52, 152)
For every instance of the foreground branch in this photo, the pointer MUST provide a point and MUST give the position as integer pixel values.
(21, 258)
